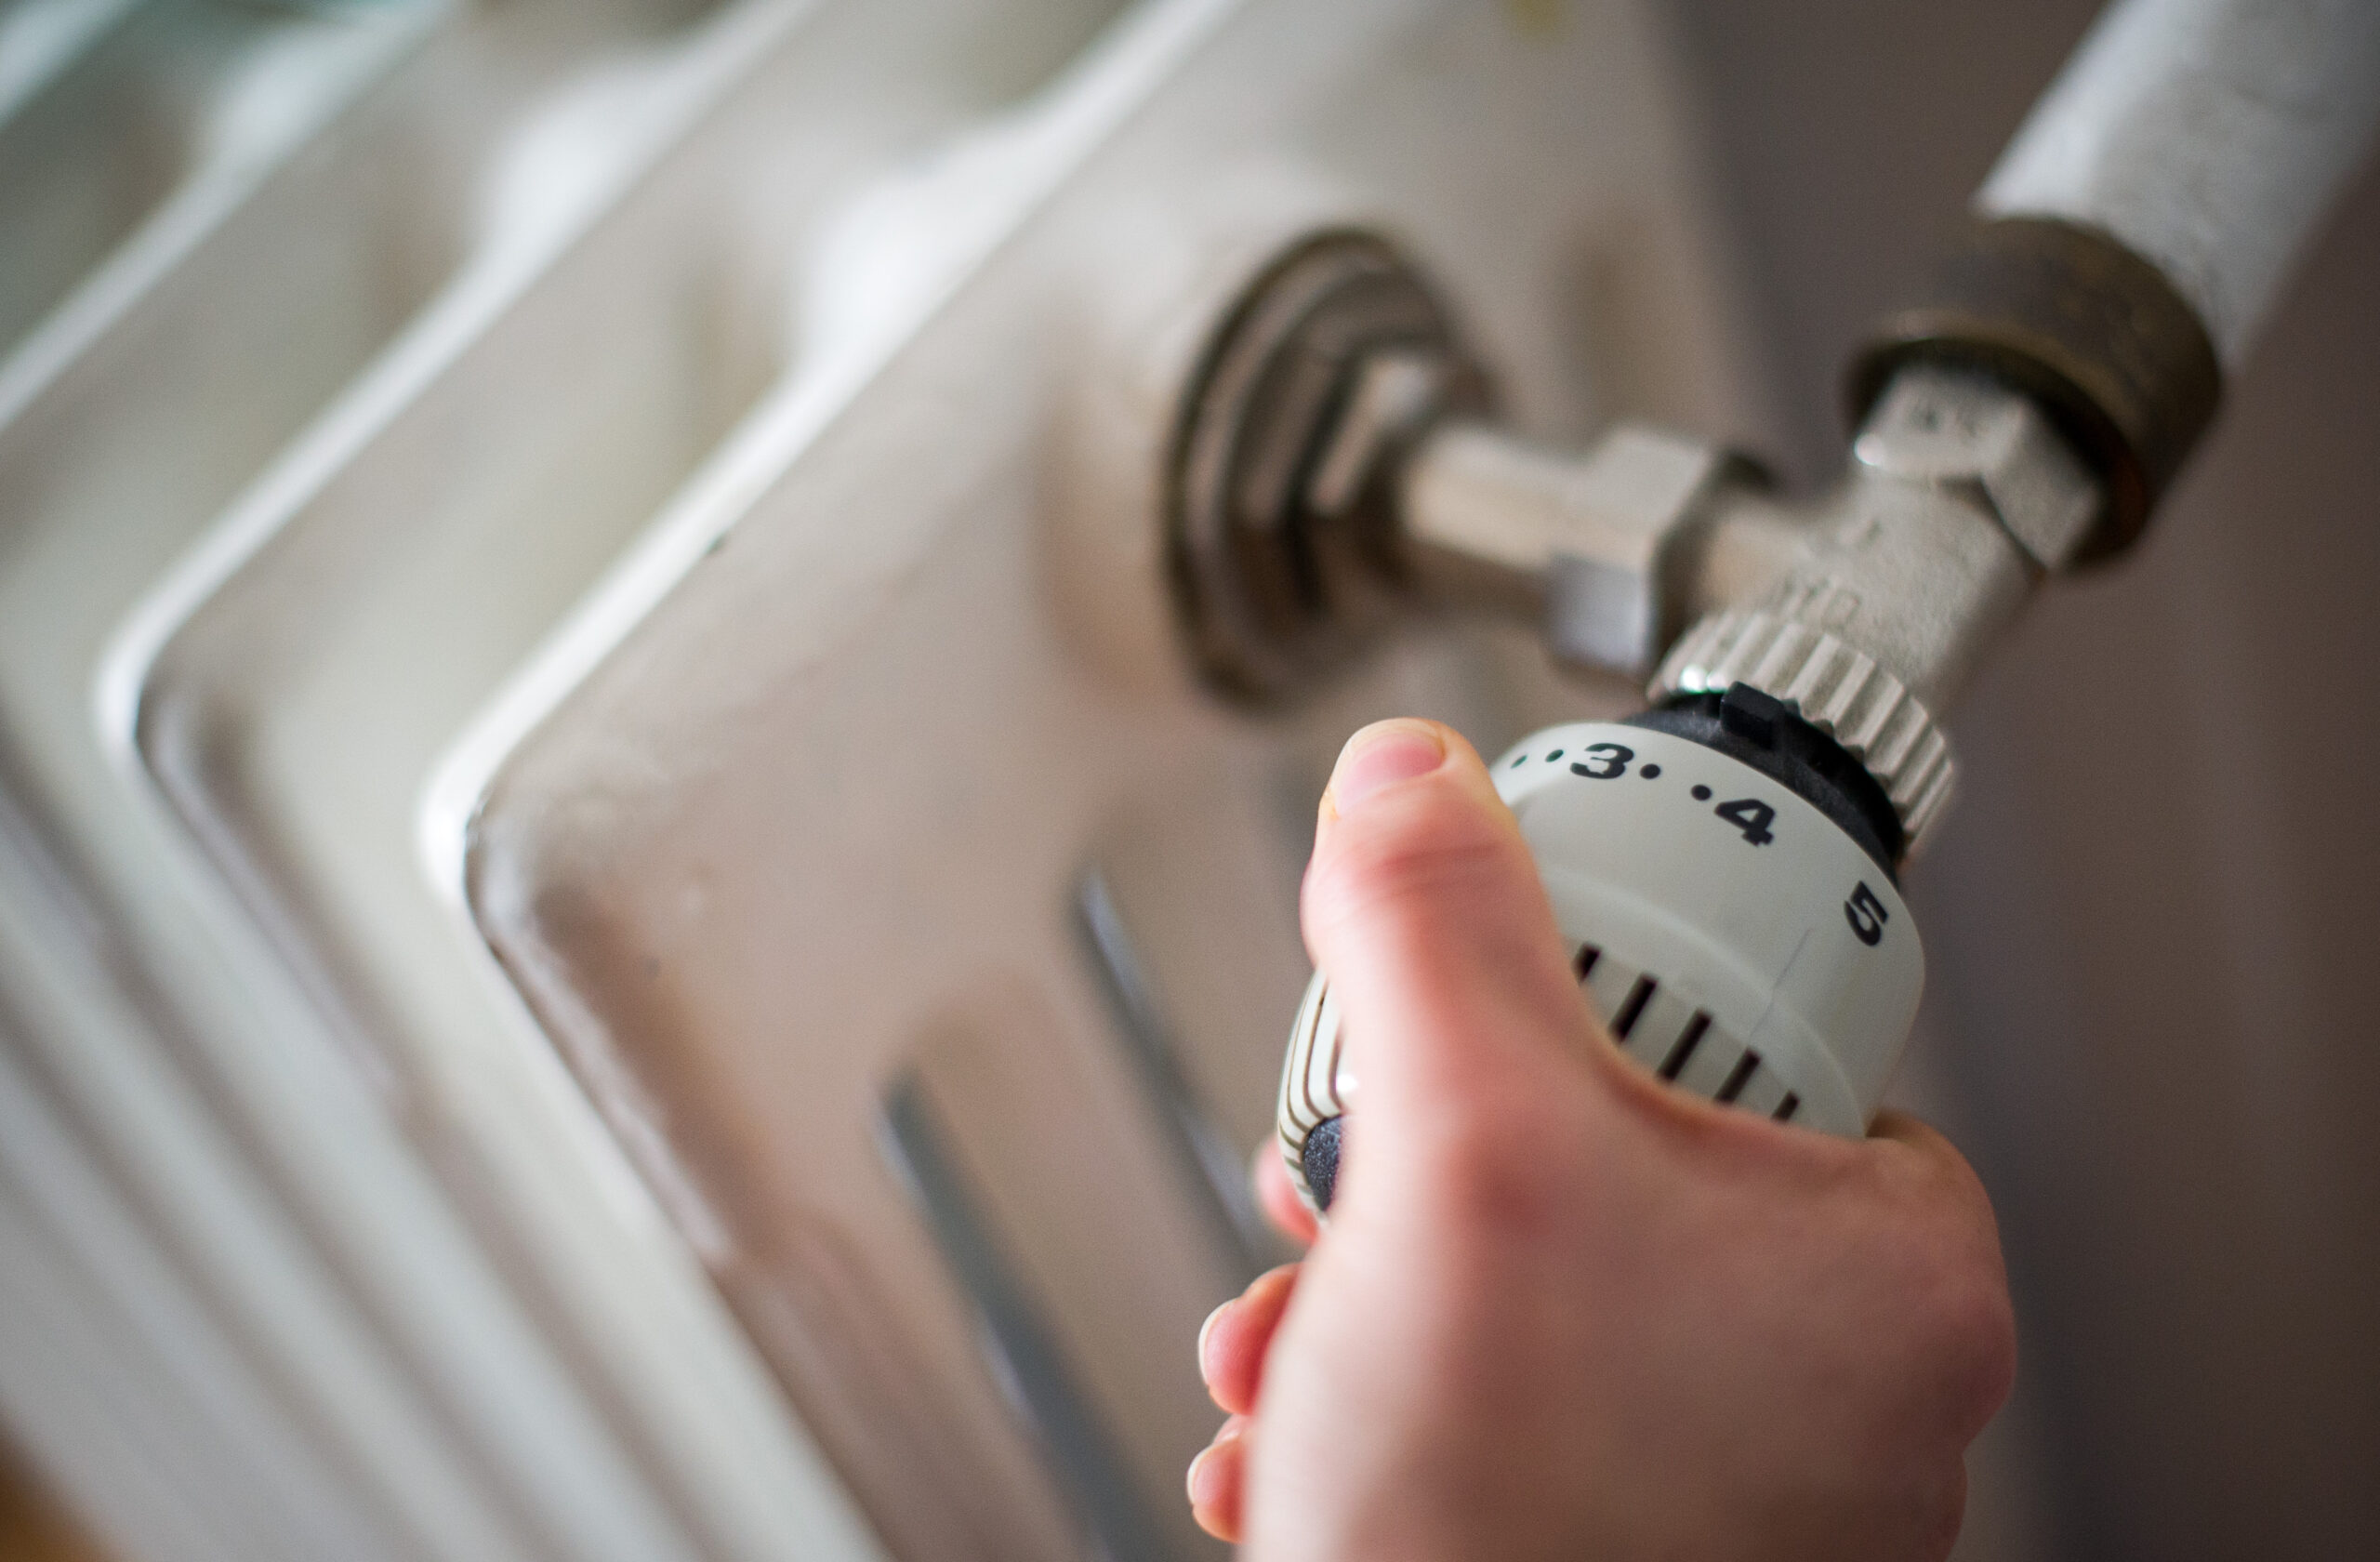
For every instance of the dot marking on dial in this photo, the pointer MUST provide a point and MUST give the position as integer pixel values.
(1702, 794)
(1553, 755)
(1650, 772)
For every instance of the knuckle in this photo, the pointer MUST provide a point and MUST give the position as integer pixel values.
(1968, 1340)
(1944, 1242)
(1981, 1324)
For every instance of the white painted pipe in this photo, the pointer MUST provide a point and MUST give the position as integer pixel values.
(2209, 135)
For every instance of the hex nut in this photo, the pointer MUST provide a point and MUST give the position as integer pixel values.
(1952, 429)
(1583, 540)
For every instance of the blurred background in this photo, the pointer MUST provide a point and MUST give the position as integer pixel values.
(2149, 917)
(623, 933)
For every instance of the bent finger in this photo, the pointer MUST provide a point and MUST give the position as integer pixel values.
(1217, 1478)
(1232, 1344)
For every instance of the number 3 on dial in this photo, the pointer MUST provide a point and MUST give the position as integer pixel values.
(1611, 761)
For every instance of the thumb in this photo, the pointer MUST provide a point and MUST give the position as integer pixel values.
(1424, 908)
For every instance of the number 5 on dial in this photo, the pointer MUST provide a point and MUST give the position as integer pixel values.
(1867, 916)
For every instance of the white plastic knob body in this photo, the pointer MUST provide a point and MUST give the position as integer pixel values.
(1734, 939)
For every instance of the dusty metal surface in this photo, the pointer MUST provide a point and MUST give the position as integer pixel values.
(2095, 334)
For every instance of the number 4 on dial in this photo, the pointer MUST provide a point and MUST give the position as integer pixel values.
(1750, 815)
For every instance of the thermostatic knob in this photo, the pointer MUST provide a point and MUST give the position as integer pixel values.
(1728, 895)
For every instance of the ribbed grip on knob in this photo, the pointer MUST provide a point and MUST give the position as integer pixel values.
(1834, 687)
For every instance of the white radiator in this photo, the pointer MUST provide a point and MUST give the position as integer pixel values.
(622, 933)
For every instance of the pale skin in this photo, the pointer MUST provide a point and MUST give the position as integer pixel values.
(1563, 1311)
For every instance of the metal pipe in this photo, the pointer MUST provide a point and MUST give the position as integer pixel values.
(2210, 137)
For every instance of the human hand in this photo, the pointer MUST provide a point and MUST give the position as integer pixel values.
(1563, 1310)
